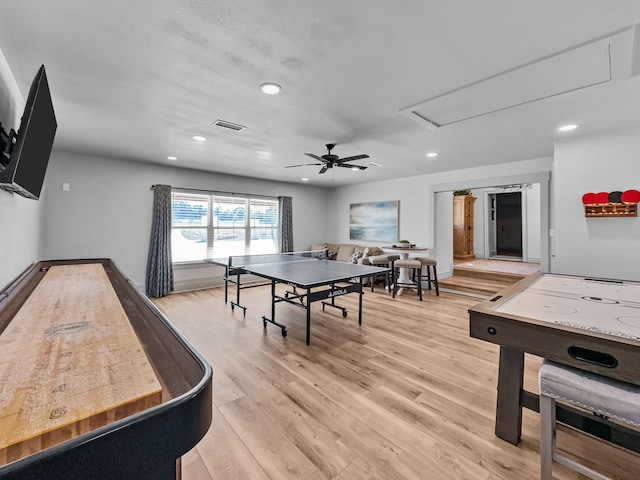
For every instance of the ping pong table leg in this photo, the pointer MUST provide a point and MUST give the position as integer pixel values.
(273, 301)
(332, 303)
(226, 284)
(273, 311)
(360, 293)
(308, 307)
(238, 289)
(239, 272)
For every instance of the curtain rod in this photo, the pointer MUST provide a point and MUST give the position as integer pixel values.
(201, 190)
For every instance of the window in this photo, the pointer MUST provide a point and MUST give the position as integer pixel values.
(210, 225)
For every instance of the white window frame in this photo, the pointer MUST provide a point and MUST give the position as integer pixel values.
(244, 200)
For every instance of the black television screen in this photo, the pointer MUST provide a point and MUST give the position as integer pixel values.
(30, 155)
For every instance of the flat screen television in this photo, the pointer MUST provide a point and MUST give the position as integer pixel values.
(29, 157)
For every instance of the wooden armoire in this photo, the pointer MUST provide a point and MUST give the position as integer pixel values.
(463, 227)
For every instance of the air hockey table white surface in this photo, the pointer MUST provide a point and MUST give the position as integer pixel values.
(605, 306)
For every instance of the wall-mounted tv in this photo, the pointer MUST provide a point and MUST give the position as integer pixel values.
(29, 150)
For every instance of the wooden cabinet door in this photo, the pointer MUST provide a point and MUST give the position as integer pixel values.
(463, 227)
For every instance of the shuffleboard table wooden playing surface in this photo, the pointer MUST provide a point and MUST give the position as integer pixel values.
(94, 381)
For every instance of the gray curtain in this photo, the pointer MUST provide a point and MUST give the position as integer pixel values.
(159, 281)
(285, 221)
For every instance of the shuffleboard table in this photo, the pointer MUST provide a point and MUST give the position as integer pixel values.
(94, 381)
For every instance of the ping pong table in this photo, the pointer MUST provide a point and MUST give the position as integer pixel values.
(312, 279)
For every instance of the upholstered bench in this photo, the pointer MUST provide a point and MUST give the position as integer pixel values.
(602, 395)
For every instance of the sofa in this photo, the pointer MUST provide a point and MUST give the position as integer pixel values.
(346, 252)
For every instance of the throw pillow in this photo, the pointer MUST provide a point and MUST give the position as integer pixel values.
(331, 255)
(355, 256)
(344, 252)
(319, 251)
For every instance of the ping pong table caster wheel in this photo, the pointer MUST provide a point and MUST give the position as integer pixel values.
(264, 323)
(344, 314)
(284, 332)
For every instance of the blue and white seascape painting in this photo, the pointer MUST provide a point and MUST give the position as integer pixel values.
(375, 221)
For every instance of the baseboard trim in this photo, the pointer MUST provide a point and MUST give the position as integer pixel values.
(197, 284)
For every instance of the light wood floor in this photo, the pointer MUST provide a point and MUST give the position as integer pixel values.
(407, 395)
(492, 265)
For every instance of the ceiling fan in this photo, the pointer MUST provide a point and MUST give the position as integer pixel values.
(329, 161)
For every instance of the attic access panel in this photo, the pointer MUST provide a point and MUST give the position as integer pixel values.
(554, 75)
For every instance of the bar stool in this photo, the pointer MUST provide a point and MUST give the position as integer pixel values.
(602, 395)
(385, 261)
(431, 265)
(414, 268)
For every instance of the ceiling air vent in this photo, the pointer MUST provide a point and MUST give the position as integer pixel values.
(229, 125)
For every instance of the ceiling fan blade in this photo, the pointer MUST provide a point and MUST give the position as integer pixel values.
(350, 165)
(324, 168)
(313, 155)
(355, 157)
(302, 165)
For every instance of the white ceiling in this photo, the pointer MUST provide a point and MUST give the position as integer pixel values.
(136, 79)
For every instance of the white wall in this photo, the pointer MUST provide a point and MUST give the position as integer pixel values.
(413, 197)
(107, 210)
(533, 237)
(422, 221)
(20, 218)
(604, 247)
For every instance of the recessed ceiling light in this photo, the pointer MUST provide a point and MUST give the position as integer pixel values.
(568, 127)
(172, 158)
(199, 138)
(264, 154)
(432, 154)
(305, 179)
(270, 88)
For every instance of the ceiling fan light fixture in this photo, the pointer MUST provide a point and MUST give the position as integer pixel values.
(356, 169)
(270, 88)
(329, 161)
(199, 138)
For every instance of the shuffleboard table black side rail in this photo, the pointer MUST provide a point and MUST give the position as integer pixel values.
(143, 446)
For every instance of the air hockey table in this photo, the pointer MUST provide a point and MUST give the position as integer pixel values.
(588, 323)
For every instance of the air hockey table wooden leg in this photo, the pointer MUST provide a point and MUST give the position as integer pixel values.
(510, 383)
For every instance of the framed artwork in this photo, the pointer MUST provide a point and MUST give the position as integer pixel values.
(375, 221)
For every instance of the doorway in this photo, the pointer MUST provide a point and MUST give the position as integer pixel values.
(505, 225)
